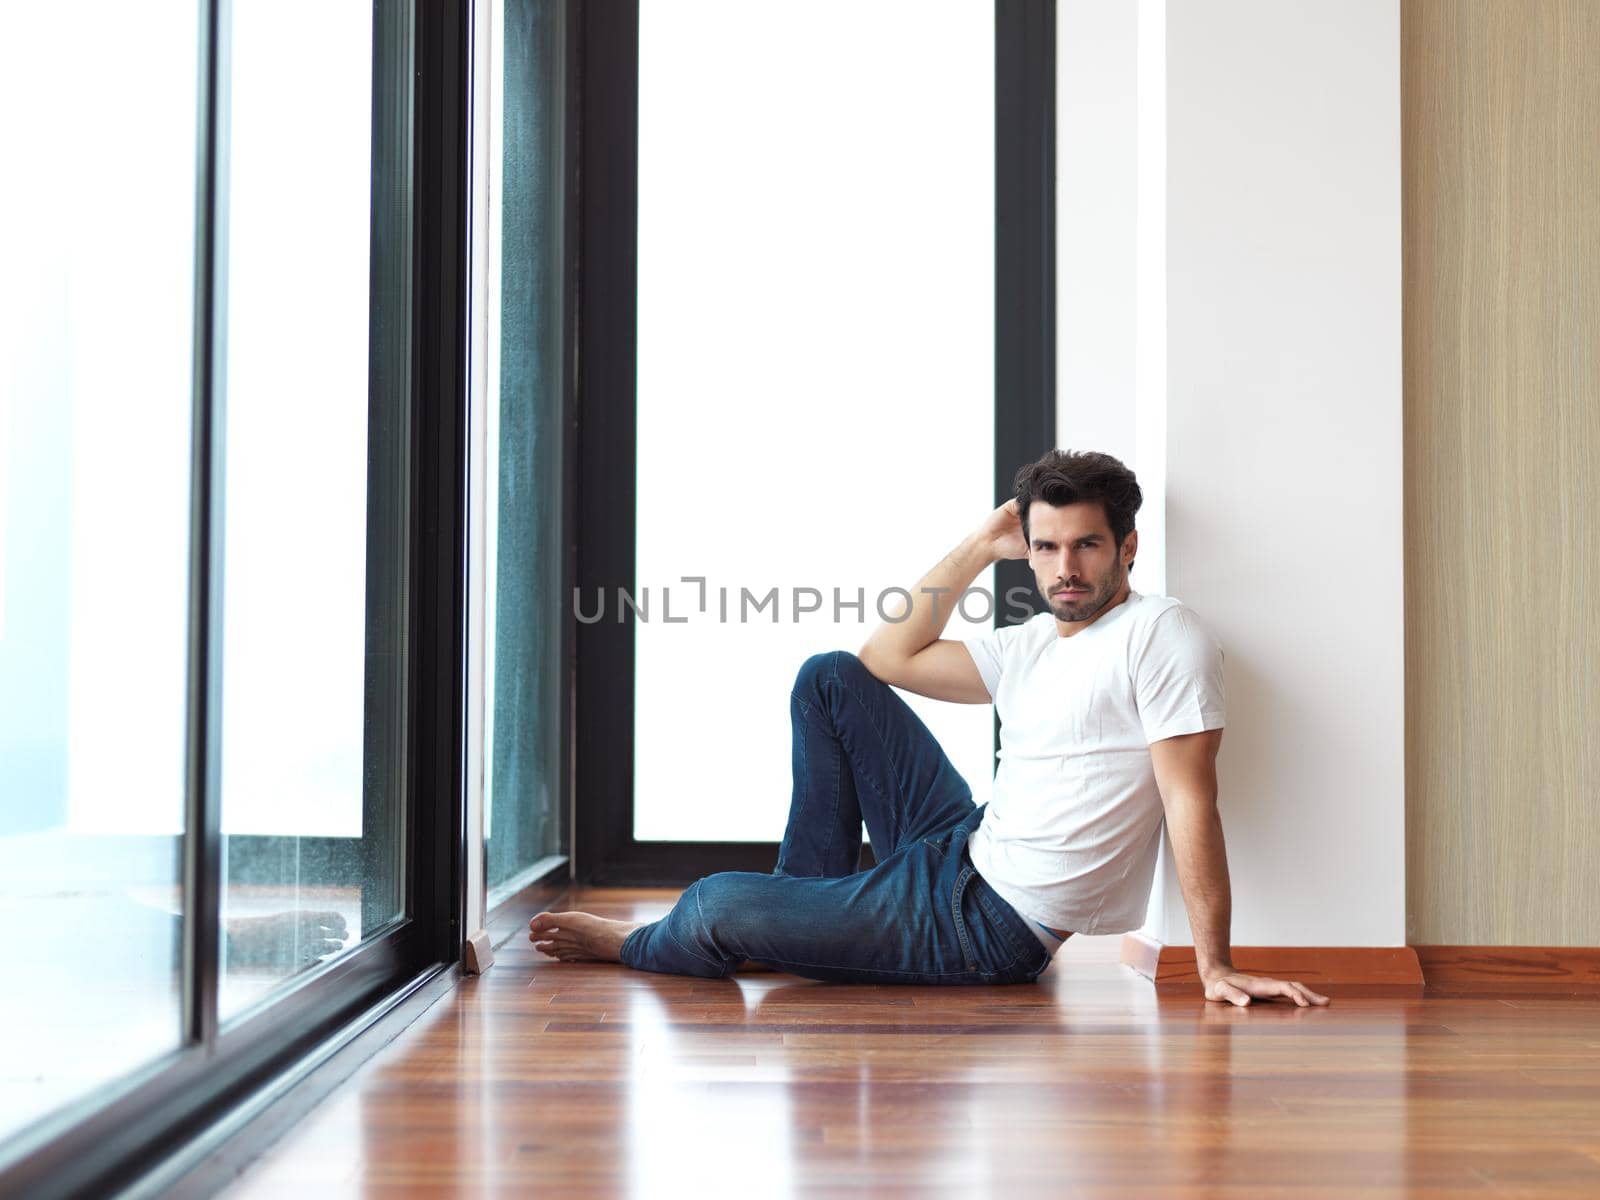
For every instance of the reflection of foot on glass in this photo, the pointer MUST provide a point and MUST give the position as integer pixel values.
(283, 939)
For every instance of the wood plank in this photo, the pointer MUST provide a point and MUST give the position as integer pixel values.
(592, 1080)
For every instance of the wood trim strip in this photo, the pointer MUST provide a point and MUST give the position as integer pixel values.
(1332, 970)
(1384, 970)
(1535, 970)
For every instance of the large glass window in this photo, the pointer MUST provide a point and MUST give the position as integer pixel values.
(524, 414)
(816, 260)
(96, 297)
(230, 427)
(310, 863)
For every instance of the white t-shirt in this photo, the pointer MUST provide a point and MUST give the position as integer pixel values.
(1070, 835)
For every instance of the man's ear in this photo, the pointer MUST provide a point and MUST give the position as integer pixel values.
(1130, 547)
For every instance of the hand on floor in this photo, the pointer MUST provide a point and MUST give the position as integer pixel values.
(1235, 987)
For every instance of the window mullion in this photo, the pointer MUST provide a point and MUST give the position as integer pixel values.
(202, 842)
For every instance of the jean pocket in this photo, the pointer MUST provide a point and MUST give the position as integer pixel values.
(1018, 955)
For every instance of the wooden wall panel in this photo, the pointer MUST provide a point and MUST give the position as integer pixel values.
(1501, 136)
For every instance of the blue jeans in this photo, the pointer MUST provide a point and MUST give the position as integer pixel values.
(922, 915)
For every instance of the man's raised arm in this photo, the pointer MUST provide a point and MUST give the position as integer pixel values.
(909, 653)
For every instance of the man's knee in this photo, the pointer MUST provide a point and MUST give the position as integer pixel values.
(824, 668)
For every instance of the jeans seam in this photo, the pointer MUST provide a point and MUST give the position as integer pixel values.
(700, 915)
(963, 880)
(833, 815)
(878, 733)
(678, 942)
(889, 804)
(805, 772)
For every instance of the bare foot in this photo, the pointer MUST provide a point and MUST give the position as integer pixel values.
(579, 937)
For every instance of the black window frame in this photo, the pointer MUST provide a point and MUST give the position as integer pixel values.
(538, 880)
(126, 1130)
(605, 850)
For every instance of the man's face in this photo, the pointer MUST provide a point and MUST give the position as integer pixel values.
(1078, 568)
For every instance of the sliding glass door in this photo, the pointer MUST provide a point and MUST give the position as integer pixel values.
(310, 863)
(232, 437)
(96, 346)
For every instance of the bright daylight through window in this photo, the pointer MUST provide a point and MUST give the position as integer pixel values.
(816, 370)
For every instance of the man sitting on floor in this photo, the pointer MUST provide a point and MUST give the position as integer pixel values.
(1111, 713)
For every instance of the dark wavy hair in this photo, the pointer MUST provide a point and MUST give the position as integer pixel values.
(1072, 477)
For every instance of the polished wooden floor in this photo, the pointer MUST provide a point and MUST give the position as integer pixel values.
(549, 1079)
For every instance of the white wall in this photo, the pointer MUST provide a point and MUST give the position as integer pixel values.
(1097, 125)
(1111, 248)
(1284, 513)
(1283, 440)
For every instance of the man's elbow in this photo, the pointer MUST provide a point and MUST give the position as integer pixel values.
(1190, 804)
(878, 664)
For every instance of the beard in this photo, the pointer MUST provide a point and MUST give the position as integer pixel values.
(1083, 607)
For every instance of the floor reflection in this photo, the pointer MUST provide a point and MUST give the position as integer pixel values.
(700, 1112)
(589, 1079)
